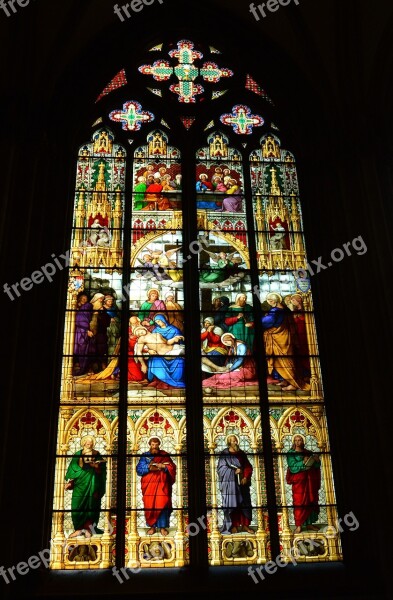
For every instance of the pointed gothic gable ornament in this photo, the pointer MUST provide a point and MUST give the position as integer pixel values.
(158, 143)
(103, 142)
(218, 145)
(270, 146)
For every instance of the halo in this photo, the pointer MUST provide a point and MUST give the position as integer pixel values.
(203, 174)
(300, 435)
(275, 294)
(232, 435)
(154, 437)
(153, 290)
(227, 334)
(85, 438)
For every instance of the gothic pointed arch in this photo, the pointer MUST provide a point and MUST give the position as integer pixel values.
(190, 337)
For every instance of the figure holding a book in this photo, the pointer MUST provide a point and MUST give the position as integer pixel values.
(304, 474)
(234, 479)
(158, 474)
(86, 477)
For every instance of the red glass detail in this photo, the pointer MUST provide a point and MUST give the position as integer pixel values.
(156, 418)
(231, 417)
(88, 419)
(187, 121)
(117, 82)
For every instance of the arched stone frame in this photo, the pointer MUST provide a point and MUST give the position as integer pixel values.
(226, 236)
(318, 431)
(61, 546)
(218, 541)
(176, 224)
(135, 541)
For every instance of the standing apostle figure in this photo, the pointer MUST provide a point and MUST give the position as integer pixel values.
(158, 473)
(304, 475)
(234, 478)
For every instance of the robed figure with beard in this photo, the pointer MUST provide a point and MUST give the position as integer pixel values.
(158, 474)
(234, 478)
(304, 475)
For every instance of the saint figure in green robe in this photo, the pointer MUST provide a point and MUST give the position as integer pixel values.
(86, 477)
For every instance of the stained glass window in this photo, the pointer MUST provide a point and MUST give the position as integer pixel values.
(188, 292)
(117, 82)
(304, 482)
(253, 86)
(186, 71)
(132, 116)
(86, 467)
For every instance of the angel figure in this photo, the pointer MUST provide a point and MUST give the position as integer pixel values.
(165, 264)
(277, 241)
(157, 551)
(223, 259)
(227, 265)
(148, 271)
(83, 553)
(98, 235)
